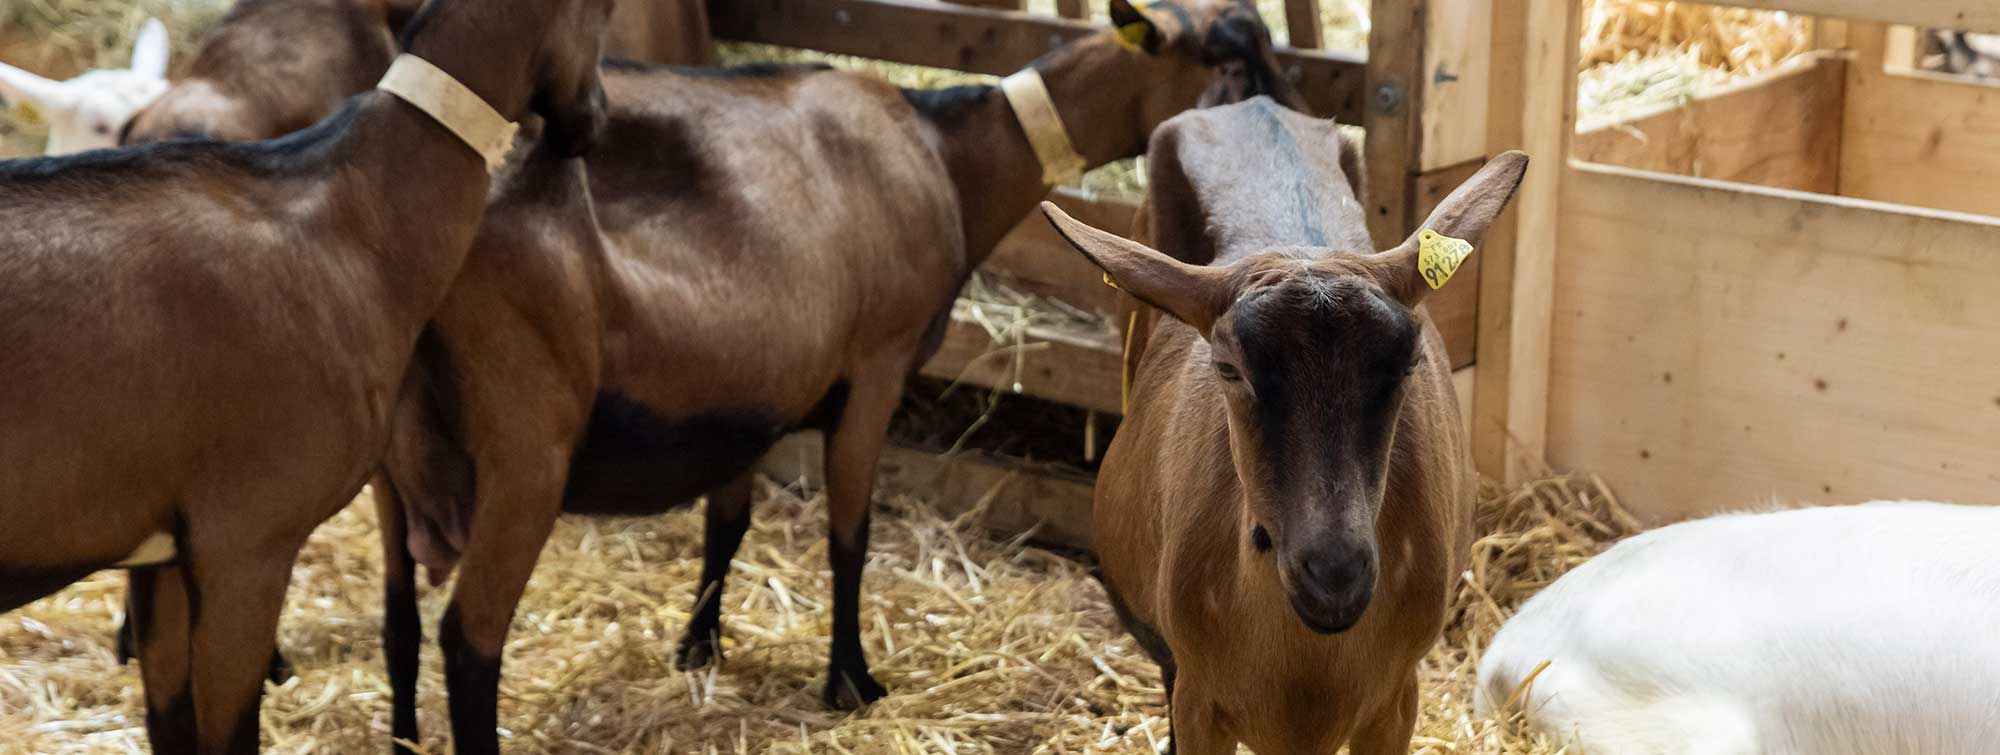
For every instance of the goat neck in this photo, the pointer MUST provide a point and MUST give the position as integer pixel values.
(994, 168)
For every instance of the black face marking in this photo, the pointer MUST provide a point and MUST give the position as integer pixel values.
(1260, 538)
(1325, 359)
(635, 462)
(1239, 37)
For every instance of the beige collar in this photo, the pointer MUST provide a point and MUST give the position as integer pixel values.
(1037, 113)
(428, 88)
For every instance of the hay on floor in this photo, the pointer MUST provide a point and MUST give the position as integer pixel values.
(987, 646)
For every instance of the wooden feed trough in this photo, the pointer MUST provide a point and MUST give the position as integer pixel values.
(1824, 332)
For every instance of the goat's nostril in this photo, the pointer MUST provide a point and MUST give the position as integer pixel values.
(1260, 539)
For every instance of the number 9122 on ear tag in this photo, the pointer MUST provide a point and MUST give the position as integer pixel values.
(1438, 256)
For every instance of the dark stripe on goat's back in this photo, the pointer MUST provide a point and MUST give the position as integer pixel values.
(764, 70)
(941, 103)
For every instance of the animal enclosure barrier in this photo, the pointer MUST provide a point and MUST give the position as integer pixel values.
(1776, 290)
(1419, 91)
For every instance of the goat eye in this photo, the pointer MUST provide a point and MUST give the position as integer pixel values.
(1228, 372)
(102, 130)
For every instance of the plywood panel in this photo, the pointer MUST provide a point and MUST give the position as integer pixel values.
(1782, 130)
(1920, 139)
(1714, 347)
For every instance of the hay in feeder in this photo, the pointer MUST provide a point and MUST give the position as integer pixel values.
(987, 646)
(1639, 55)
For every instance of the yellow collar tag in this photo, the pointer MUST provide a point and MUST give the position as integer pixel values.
(1438, 256)
(1029, 97)
(460, 110)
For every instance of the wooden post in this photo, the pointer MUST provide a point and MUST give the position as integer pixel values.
(1302, 22)
(1072, 9)
(1390, 114)
(1533, 76)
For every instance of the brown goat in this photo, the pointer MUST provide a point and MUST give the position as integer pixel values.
(1284, 510)
(272, 67)
(225, 382)
(783, 248)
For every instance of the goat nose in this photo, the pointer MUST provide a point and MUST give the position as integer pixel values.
(1333, 569)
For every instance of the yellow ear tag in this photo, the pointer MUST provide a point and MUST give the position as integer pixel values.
(1438, 256)
(1107, 281)
(1132, 35)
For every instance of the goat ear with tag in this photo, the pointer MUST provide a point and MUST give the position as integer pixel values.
(1428, 259)
(1141, 28)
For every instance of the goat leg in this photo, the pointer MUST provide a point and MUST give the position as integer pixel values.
(1191, 723)
(236, 596)
(128, 644)
(727, 518)
(157, 622)
(402, 629)
(1390, 731)
(520, 495)
(852, 450)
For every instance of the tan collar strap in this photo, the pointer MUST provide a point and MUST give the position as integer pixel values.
(428, 88)
(1037, 113)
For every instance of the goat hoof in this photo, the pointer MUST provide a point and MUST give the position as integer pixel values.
(280, 669)
(697, 653)
(851, 690)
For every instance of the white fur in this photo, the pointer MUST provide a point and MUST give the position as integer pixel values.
(88, 111)
(1822, 631)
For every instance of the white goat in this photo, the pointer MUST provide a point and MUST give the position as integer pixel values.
(1854, 629)
(88, 111)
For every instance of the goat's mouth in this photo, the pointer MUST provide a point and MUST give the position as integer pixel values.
(1322, 619)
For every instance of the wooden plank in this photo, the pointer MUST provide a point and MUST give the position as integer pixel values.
(1395, 130)
(1963, 15)
(1782, 130)
(1509, 434)
(1072, 9)
(1302, 24)
(1454, 84)
(1505, 85)
(1455, 308)
(1001, 4)
(1717, 345)
(1013, 497)
(1079, 369)
(1920, 139)
(980, 40)
(1034, 258)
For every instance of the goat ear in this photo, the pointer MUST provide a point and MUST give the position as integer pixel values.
(1193, 294)
(20, 87)
(149, 53)
(1139, 27)
(1427, 259)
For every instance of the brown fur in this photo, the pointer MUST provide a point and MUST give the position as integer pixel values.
(207, 340)
(272, 67)
(781, 249)
(1321, 444)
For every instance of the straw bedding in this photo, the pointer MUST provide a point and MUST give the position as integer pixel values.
(987, 645)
